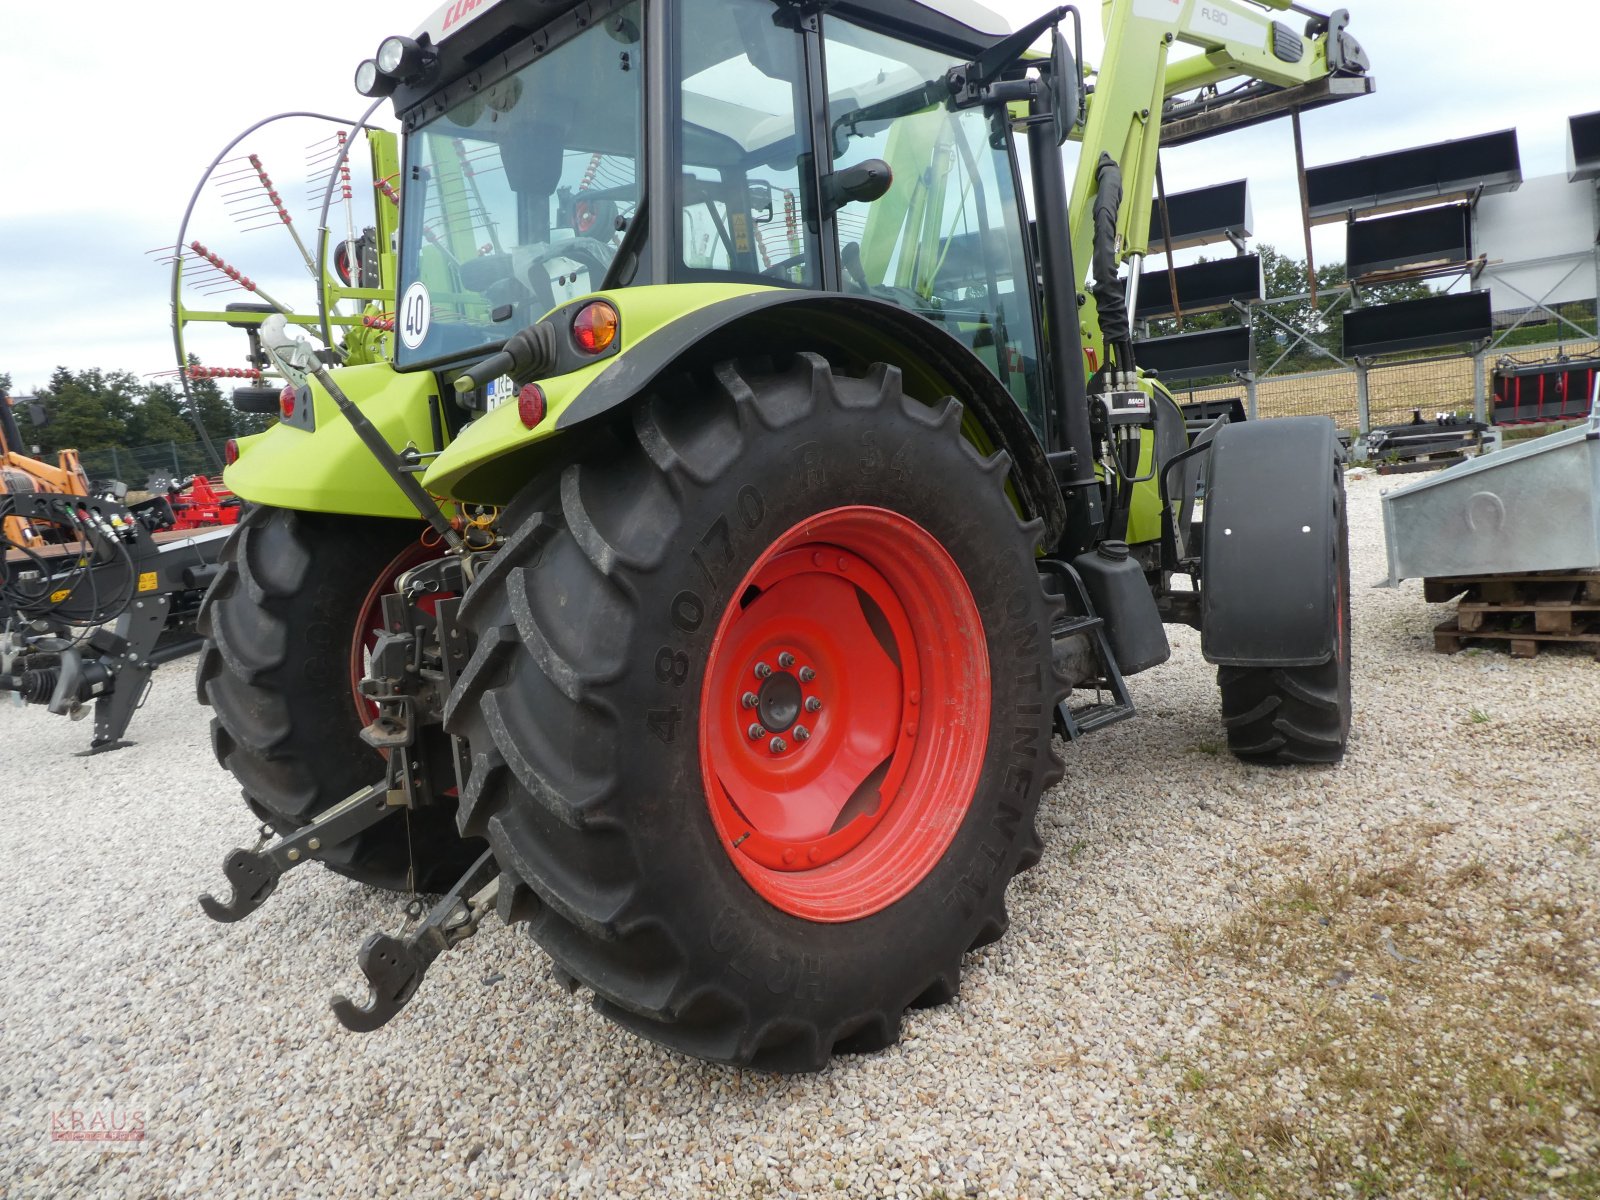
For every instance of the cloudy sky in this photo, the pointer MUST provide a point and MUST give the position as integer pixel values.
(116, 108)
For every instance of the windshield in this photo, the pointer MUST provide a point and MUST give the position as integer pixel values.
(516, 198)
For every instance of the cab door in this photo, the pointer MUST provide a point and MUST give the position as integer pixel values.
(948, 239)
(745, 173)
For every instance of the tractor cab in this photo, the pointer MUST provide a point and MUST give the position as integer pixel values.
(794, 151)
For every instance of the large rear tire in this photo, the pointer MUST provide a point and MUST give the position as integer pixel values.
(1298, 714)
(284, 624)
(774, 546)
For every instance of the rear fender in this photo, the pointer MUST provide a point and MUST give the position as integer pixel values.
(328, 468)
(495, 455)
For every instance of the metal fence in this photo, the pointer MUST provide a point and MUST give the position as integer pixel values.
(1299, 368)
(139, 466)
(1425, 386)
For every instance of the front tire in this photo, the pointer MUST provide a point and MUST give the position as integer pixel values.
(729, 897)
(284, 623)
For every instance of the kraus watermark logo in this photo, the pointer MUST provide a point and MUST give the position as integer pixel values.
(100, 1126)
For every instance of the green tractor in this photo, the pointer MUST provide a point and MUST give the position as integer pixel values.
(706, 578)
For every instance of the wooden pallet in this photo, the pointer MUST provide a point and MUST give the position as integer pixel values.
(1418, 465)
(1525, 610)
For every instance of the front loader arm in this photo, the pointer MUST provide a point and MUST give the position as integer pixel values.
(1134, 91)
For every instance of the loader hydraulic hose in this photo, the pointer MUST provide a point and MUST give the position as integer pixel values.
(1110, 299)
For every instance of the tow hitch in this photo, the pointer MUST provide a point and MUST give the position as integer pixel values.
(394, 967)
(254, 874)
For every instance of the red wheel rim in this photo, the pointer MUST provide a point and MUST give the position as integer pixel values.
(844, 714)
(369, 618)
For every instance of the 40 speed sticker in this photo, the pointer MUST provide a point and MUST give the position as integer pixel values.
(416, 314)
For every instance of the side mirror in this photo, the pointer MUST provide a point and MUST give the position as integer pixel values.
(1066, 87)
(760, 201)
(863, 183)
(38, 414)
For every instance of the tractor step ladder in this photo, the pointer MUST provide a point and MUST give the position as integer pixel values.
(1086, 718)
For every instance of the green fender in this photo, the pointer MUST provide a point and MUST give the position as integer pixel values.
(328, 469)
(491, 459)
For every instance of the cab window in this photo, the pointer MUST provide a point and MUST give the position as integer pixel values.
(946, 240)
(744, 145)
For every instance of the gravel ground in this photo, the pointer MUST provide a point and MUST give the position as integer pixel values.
(1045, 1078)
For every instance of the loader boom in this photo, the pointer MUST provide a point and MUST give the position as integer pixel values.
(1144, 96)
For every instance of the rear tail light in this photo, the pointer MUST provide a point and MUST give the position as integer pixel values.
(230, 451)
(531, 405)
(286, 401)
(595, 327)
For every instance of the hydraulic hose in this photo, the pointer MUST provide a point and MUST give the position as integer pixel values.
(1110, 299)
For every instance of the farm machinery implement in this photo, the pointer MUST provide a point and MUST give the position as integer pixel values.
(95, 604)
(702, 569)
(94, 593)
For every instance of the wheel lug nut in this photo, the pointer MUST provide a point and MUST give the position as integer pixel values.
(807, 674)
(762, 670)
(778, 745)
(750, 700)
(788, 857)
(814, 854)
(786, 660)
(801, 733)
(813, 704)
(757, 731)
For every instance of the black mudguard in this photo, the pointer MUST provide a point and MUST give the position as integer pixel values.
(852, 332)
(1267, 587)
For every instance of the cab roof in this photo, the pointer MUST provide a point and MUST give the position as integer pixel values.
(453, 16)
(476, 35)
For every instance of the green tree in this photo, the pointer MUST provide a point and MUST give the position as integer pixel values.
(158, 418)
(88, 410)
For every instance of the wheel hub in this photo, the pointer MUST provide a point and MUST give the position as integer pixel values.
(779, 702)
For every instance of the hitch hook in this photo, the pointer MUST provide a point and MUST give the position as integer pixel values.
(394, 966)
(254, 874)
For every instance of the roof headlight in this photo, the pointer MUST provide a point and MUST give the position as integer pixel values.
(370, 81)
(398, 56)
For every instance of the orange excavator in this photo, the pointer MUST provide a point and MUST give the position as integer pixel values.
(19, 473)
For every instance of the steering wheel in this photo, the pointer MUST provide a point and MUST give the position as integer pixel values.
(778, 269)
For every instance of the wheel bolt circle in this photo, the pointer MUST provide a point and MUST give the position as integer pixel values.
(757, 731)
(762, 670)
(786, 660)
(813, 704)
(750, 700)
(778, 745)
(807, 674)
